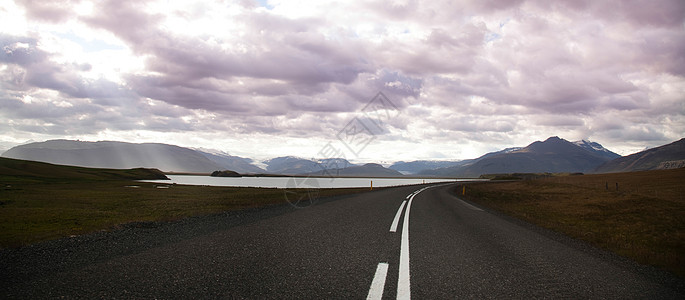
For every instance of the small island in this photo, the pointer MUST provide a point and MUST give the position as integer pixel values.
(225, 173)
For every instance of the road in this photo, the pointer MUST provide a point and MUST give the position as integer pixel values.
(352, 247)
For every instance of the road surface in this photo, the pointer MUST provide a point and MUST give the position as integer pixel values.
(418, 242)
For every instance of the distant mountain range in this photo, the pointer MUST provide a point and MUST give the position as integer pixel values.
(416, 166)
(553, 155)
(663, 157)
(359, 171)
(170, 158)
(290, 165)
(226, 161)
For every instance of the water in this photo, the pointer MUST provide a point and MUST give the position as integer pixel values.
(297, 182)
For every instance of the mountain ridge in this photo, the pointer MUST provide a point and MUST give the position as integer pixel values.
(649, 159)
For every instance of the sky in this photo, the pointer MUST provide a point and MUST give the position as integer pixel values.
(375, 81)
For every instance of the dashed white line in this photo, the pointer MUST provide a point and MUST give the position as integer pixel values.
(395, 222)
(378, 283)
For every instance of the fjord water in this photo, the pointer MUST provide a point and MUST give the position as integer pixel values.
(297, 182)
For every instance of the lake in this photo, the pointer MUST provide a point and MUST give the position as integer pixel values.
(297, 182)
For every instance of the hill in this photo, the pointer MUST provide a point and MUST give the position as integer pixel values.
(118, 155)
(14, 169)
(554, 155)
(663, 157)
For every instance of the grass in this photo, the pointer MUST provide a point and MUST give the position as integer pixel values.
(644, 219)
(42, 201)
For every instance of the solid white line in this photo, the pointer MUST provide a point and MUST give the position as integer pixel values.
(393, 227)
(469, 205)
(403, 284)
(378, 283)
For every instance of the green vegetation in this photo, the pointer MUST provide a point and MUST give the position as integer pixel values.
(43, 201)
(640, 215)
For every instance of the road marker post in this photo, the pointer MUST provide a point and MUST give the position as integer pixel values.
(463, 190)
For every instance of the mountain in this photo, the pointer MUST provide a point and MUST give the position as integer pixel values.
(290, 165)
(226, 161)
(416, 166)
(554, 155)
(663, 157)
(367, 170)
(115, 155)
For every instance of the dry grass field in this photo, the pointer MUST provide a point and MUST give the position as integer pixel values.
(640, 215)
(32, 212)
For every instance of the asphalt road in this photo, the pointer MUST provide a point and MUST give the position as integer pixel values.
(338, 248)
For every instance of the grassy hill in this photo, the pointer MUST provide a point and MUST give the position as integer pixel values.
(13, 170)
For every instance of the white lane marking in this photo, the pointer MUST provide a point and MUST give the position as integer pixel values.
(403, 283)
(378, 283)
(393, 227)
(403, 280)
(469, 205)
